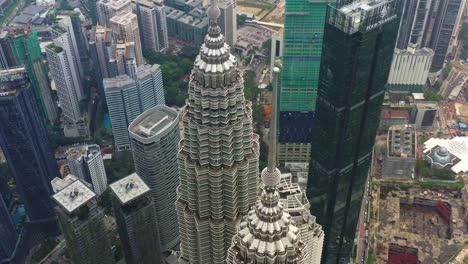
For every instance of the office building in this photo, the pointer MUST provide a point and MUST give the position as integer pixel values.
(268, 226)
(106, 9)
(407, 20)
(85, 162)
(125, 28)
(228, 21)
(420, 21)
(358, 45)
(438, 34)
(303, 34)
(24, 142)
(154, 139)
(410, 69)
(135, 217)
(27, 51)
(400, 158)
(127, 98)
(218, 155)
(9, 236)
(424, 115)
(7, 58)
(82, 225)
(152, 25)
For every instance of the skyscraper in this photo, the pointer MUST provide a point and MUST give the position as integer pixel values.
(303, 32)
(9, 237)
(228, 21)
(127, 98)
(82, 225)
(85, 162)
(106, 9)
(24, 141)
(7, 58)
(125, 28)
(125, 60)
(218, 156)
(152, 24)
(135, 217)
(101, 47)
(155, 138)
(408, 16)
(268, 233)
(27, 51)
(358, 46)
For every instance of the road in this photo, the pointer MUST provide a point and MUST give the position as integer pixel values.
(363, 226)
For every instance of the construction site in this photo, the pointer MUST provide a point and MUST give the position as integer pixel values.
(410, 224)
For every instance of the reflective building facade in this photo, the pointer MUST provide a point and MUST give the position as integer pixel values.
(357, 53)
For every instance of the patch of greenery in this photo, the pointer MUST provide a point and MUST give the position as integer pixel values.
(64, 5)
(44, 249)
(432, 95)
(241, 19)
(423, 169)
(250, 87)
(371, 258)
(174, 68)
(119, 167)
(465, 260)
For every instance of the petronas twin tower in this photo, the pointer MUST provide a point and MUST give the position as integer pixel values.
(218, 170)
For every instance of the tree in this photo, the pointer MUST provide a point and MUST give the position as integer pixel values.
(241, 19)
(431, 95)
(423, 168)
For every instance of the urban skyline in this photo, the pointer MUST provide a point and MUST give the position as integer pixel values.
(136, 131)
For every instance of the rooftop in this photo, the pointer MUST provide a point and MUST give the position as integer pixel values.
(389, 114)
(124, 19)
(458, 146)
(54, 48)
(74, 196)
(59, 183)
(427, 105)
(81, 152)
(153, 122)
(402, 141)
(118, 83)
(129, 188)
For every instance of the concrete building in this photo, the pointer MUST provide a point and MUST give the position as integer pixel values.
(135, 217)
(25, 144)
(101, 47)
(155, 138)
(269, 234)
(106, 9)
(424, 115)
(190, 27)
(410, 69)
(59, 184)
(406, 23)
(152, 24)
(124, 61)
(218, 153)
(85, 162)
(401, 153)
(390, 118)
(7, 58)
(125, 28)
(82, 224)
(228, 21)
(127, 98)
(448, 153)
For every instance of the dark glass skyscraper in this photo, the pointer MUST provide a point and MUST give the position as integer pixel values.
(358, 45)
(8, 235)
(24, 141)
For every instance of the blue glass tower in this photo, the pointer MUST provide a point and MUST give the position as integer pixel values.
(24, 141)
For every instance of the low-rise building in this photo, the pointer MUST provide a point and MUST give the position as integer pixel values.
(401, 152)
(448, 153)
(424, 115)
(390, 118)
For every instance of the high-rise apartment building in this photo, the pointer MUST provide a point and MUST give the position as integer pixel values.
(25, 45)
(127, 98)
(125, 60)
(101, 51)
(358, 45)
(24, 142)
(218, 155)
(125, 28)
(228, 21)
(155, 138)
(135, 217)
(9, 237)
(303, 33)
(82, 225)
(152, 24)
(106, 9)
(268, 234)
(91, 9)
(85, 162)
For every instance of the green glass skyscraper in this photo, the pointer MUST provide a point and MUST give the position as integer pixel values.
(27, 52)
(358, 46)
(303, 33)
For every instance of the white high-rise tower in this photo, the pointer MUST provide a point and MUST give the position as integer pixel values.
(218, 156)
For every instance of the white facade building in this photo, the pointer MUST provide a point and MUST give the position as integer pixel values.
(410, 68)
(106, 9)
(155, 138)
(86, 163)
(228, 21)
(125, 28)
(152, 24)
